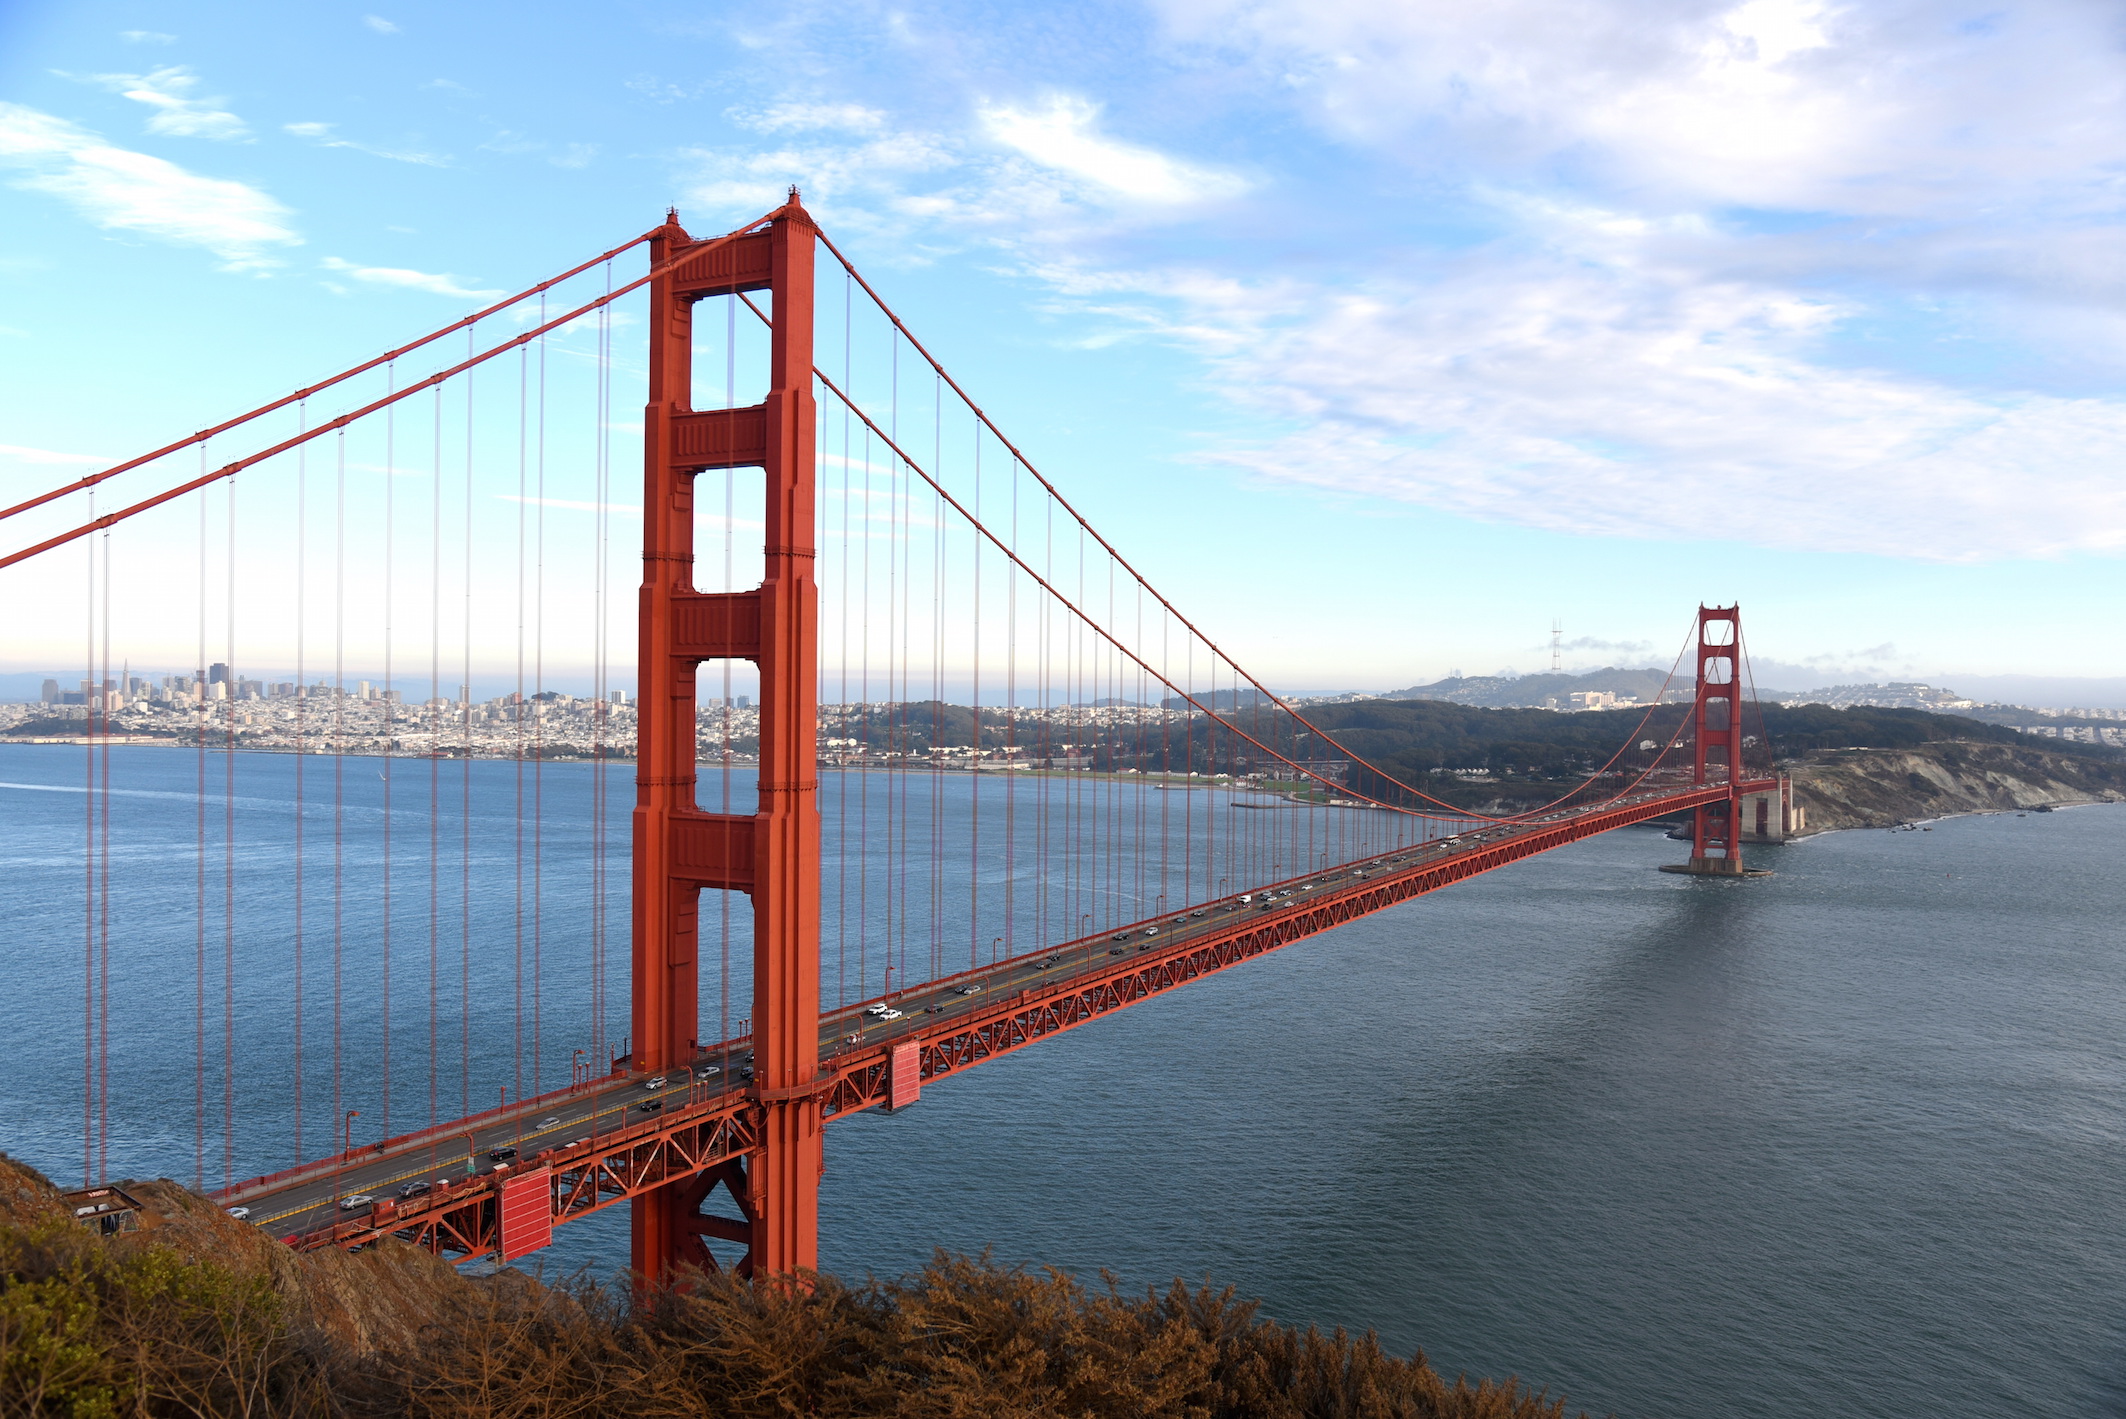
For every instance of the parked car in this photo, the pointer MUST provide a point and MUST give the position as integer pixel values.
(355, 1201)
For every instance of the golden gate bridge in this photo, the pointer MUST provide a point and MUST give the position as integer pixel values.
(898, 549)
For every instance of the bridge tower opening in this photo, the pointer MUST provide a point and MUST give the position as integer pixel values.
(772, 854)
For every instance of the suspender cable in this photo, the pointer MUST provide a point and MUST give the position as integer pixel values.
(339, 761)
(435, 740)
(199, 1002)
(465, 783)
(539, 736)
(519, 708)
(231, 680)
(302, 703)
(391, 475)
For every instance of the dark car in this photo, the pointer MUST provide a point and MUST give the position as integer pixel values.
(1116, 950)
(412, 1189)
(502, 1154)
(652, 1107)
(746, 1073)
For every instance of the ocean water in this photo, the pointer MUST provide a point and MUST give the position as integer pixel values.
(1846, 1139)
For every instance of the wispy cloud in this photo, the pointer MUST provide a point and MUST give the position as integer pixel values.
(146, 37)
(1040, 175)
(1575, 396)
(404, 279)
(179, 111)
(120, 190)
(380, 24)
(323, 136)
(1063, 135)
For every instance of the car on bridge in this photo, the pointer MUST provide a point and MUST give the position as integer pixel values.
(355, 1201)
(413, 1189)
(971, 989)
(657, 1083)
(502, 1154)
(239, 1213)
(650, 1106)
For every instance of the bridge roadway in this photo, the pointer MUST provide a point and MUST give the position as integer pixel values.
(603, 1141)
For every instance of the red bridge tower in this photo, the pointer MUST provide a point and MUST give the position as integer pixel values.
(772, 854)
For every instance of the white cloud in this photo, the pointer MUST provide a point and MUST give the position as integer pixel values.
(1575, 396)
(380, 24)
(146, 37)
(1063, 136)
(179, 113)
(1043, 177)
(323, 136)
(813, 117)
(1914, 107)
(120, 190)
(404, 279)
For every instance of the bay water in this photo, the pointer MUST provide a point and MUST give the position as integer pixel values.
(1845, 1139)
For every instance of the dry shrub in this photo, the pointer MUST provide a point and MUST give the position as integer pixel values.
(110, 1329)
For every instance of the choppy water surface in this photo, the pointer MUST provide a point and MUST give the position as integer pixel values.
(1843, 1140)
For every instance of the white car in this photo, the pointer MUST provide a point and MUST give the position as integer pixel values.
(547, 1123)
(977, 990)
(877, 1010)
(355, 1202)
(239, 1213)
(889, 1014)
(707, 1070)
(657, 1083)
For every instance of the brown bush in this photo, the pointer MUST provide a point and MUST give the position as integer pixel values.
(180, 1321)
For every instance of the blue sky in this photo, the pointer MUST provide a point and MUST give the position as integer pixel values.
(1380, 334)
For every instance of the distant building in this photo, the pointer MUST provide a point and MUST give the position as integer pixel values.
(50, 694)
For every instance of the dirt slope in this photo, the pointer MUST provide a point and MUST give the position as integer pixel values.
(1874, 788)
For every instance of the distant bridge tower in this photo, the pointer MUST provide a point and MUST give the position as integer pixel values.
(1716, 723)
(772, 854)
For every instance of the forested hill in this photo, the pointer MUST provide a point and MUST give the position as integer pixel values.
(1408, 738)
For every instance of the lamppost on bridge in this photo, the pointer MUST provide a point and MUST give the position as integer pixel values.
(352, 1115)
(994, 943)
(575, 1064)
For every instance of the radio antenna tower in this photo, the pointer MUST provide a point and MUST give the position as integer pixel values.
(1557, 662)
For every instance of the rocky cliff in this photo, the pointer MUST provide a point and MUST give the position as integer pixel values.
(1875, 788)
